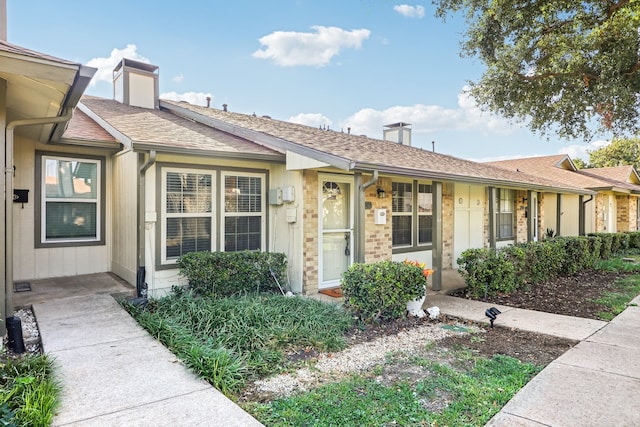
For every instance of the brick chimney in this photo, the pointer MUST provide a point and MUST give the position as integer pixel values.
(136, 83)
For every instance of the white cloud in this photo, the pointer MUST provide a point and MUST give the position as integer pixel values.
(410, 11)
(195, 98)
(430, 119)
(105, 66)
(581, 151)
(311, 119)
(178, 79)
(288, 49)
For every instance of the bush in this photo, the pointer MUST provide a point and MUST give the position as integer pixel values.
(634, 240)
(232, 273)
(577, 255)
(488, 271)
(382, 289)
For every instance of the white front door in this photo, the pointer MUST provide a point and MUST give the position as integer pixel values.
(336, 229)
(468, 219)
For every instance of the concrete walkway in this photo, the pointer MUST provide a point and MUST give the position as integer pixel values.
(114, 374)
(596, 383)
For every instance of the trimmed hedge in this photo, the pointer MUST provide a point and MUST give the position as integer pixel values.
(381, 290)
(492, 271)
(231, 273)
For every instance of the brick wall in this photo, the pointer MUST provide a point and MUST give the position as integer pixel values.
(633, 213)
(622, 213)
(600, 225)
(310, 230)
(377, 236)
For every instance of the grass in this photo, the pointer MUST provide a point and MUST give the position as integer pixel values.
(469, 396)
(28, 394)
(614, 302)
(230, 340)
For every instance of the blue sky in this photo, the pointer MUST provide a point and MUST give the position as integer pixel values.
(357, 64)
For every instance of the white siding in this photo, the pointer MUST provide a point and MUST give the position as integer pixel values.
(124, 211)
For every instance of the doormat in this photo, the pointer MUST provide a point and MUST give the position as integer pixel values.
(21, 286)
(333, 292)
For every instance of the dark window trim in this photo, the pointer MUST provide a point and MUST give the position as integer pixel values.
(498, 212)
(415, 220)
(38, 244)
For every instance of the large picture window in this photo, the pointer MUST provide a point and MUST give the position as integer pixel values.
(412, 214)
(188, 212)
(70, 200)
(244, 208)
(504, 213)
(196, 210)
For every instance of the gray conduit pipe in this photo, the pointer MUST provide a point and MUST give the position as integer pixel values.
(8, 202)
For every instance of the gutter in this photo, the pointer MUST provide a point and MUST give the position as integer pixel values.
(8, 203)
(140, 276)
(584, 214)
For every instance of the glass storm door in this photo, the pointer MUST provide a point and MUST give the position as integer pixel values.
(336, 229)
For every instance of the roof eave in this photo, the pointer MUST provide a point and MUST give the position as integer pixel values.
(163, 148)
(443, 176)
(82, 80)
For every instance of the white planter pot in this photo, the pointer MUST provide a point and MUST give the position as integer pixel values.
(415, 307)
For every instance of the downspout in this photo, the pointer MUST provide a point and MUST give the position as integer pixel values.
(583, 212)
(8, 203)
(140, 276)
(360, 215)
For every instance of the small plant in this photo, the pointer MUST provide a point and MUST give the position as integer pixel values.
(550, 233)
(382, 289)
(29, 393)
(488, 271)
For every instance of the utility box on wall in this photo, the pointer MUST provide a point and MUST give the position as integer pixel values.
(380, 216)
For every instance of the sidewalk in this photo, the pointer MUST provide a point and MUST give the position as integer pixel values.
(113, 373)
(596, 383)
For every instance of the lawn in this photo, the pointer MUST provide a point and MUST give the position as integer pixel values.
(232, 342)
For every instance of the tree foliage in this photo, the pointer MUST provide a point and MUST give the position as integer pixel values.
(569, 67)
(620, 152)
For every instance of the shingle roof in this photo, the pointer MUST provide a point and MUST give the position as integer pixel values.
(155, 129)
(81, 127)
(368, 153)
(554, 167)
(617, 173)
(19, 50)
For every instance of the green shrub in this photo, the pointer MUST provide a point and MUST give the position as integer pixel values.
(382, 289)
(634, 240)
(606, 244)
(595, 246)
(577, 255)
(232, 273)
(540, 260)
(488, 271)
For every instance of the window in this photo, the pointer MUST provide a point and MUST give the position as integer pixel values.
(71, 200)
(402, 209)
(425, 214)
(412, 208)
(504, 214)
(243, 212)
(188, 212)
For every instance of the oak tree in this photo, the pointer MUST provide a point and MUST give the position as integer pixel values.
(569, 67)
